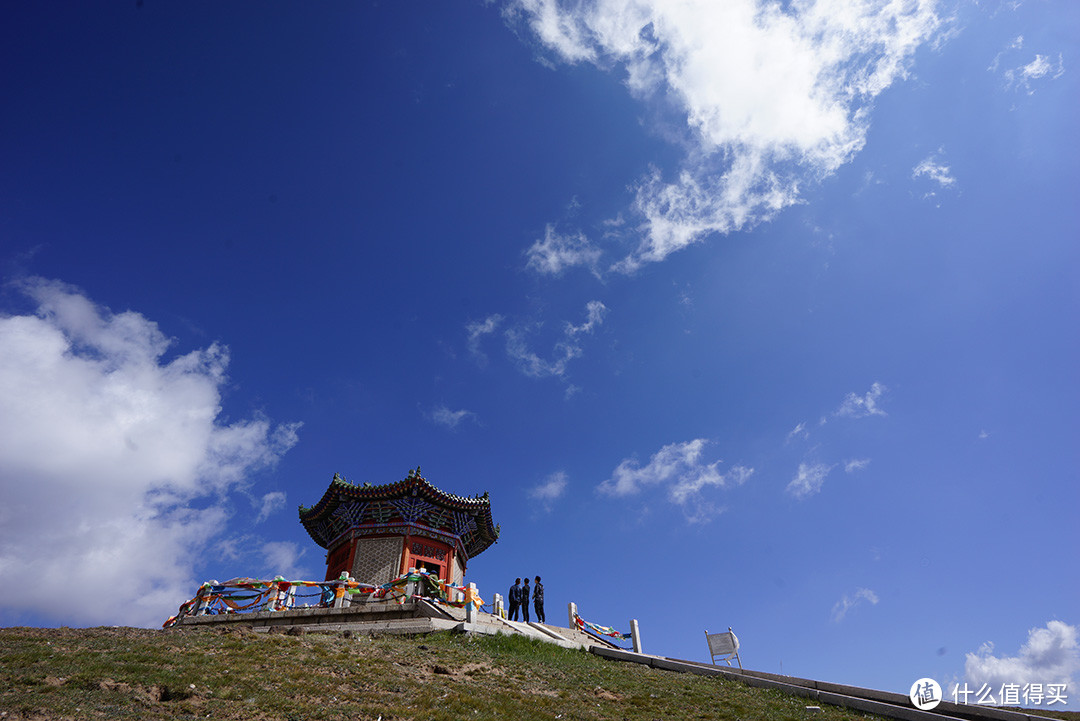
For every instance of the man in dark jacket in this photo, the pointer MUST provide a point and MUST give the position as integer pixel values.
(525, 601)
(538, 600)
(515, 599)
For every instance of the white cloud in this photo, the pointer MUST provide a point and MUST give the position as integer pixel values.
(271, 503)
(768, 96)
(680, 467)
(855, 406)
(1043, 66)
(594, 316)
(856, 464)
(850, 601)
(555, 253)
(1050, 655)
(1016, 44)
(798, 431)
(702, 512)
(282, 558)
(232, 547)
(808, 479)
(1022, 77)
(551, 490)
(687, 487)
(556, 29)
(443, 416)
(934, 168)
(532, 364)
(105, 445)
(665, 465)
(565, 350)
(476, 332)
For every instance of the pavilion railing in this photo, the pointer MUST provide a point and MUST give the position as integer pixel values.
(249, 595)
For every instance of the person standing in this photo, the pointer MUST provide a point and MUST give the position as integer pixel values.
(525, 601)
(515, 599)
(538, 600)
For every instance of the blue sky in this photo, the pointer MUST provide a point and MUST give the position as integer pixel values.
(746, 315)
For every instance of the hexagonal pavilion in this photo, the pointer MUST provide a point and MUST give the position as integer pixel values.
(376, 533)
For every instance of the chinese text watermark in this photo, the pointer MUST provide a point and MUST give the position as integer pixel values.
(1011, 694)
(926, 694)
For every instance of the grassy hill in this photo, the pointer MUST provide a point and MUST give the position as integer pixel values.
(217, 674)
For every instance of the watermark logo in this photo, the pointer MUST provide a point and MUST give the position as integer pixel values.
(1011, 694)
(925, 694)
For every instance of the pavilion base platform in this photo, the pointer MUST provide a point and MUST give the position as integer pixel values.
(409, 618)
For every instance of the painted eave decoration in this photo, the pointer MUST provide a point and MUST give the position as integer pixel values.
(412, 501)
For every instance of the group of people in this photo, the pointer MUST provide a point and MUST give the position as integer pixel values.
(519, 599)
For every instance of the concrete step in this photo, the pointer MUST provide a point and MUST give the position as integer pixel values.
(525, 629)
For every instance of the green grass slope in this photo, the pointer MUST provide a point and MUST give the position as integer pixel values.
(143, 674)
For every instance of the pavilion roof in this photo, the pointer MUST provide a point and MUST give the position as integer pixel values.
(411, 501)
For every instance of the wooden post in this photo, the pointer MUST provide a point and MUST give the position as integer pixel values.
(340, 588)
(203, 596)
(500, 611)
(571, 611)
(348, 596)
(275, 598)
(470, 604)
(635, 635)
(290, 597)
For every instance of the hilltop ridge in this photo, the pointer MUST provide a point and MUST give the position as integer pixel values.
(237, 674)
(52, 674)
